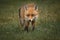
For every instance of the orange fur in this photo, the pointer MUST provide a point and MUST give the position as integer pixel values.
(28, 13)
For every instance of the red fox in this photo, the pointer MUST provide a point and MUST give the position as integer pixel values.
(28, 14)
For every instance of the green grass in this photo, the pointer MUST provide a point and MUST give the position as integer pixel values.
(47, 26)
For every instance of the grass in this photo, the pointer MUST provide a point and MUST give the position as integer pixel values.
(47, 26)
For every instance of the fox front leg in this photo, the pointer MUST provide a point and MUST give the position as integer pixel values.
(33, 25)
(26, 26)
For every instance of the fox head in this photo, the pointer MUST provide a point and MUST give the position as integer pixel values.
(31, 12)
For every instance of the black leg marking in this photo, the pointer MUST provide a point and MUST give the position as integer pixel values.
(33, 25)
(26, 28)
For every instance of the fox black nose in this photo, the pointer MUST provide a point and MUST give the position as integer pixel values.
(29, 20)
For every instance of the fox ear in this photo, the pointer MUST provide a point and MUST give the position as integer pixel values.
(25, 7)
(36, 7)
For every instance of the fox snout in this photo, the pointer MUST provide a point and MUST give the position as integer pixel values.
(31, 19)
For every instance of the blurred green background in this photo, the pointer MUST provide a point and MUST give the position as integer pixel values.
(47, 26)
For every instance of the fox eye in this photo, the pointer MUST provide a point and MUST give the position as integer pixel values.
(32, 15)
(28, 15)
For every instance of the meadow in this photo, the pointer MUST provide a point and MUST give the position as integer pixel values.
(47, 26)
